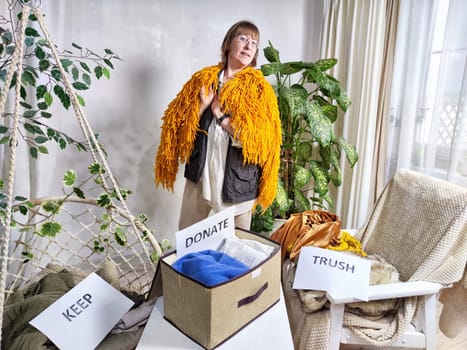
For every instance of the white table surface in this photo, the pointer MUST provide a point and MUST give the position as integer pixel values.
(270, 331)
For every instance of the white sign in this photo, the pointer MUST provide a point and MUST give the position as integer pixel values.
(80, 319)
(340, 273)
(206, 234)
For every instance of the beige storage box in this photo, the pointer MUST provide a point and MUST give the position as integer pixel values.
(210, 315)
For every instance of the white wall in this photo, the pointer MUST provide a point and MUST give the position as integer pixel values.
(162, 43)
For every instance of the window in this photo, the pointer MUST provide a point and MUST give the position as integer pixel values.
(428, 108)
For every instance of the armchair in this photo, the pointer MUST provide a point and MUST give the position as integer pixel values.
(419, 226)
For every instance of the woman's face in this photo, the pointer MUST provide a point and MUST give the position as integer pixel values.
(242, 51)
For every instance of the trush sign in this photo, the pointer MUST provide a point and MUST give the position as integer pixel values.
(332, 271)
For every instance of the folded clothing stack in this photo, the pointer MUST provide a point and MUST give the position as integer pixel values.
(248, 251)
(233, 258)
(210, 267)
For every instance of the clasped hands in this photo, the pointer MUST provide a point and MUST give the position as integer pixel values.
(210, 97)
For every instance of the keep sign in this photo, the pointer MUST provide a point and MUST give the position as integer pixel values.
(82, 317)
(206, 234)
(332, 271)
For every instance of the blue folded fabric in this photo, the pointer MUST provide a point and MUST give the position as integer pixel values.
(209, 267)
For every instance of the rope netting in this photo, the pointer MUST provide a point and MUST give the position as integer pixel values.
(91, 235)
(82, 246)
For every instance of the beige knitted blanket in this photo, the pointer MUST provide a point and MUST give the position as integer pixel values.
(419, 225)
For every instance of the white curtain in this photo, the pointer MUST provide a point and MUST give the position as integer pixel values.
(428, 119)
(354, 33)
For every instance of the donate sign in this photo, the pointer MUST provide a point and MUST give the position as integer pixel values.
(332, 271)
(206, 234)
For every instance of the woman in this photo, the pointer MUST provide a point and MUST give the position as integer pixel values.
(224, 124)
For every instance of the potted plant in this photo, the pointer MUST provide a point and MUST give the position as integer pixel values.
(310, 102)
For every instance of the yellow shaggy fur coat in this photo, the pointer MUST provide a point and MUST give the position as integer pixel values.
(252, 104)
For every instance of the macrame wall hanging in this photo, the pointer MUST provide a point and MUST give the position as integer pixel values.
(93, 232)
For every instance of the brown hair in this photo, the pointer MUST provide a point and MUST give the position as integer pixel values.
(239, 28)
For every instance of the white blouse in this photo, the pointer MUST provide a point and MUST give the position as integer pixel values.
(212, 178)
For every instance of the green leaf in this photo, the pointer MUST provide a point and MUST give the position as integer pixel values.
(56, 74)
(40, 54)
(3, 129)
(95, 168)
(325, 64)
(80, 86)
(4, 140)
(44, 65)
(301, 203)
(319, 124)
(106, 72)
(271, 54)
(52, 207)
(50, 229)
(301, 177)
(81, 100)
(120, 236)
(42, 105)
(40, 91)
(23, 92)
(87, 79)
(98, 72)
(28, 78)
(350, 151)
(85, 66)
(69, 178)
(107, 62)
(79, 192)
(25, 105)
(48, 99)
(104, 200)
(62, 95)
(290, 68)
(271, 68)
(62, 143)
(281, 201)
(66, 63)
(33, 152)
(31, 32)
(305, 151)
(75, 73)
(46, 114)
(321, 178)
(23, 209)
(330, 111)
(343, 100)
(7, 37)
(33, 129)
(43, 150)
(41, 139)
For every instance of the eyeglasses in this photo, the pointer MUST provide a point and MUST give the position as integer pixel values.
(246, 40)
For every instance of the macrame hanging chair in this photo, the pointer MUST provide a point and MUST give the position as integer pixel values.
(81, 246)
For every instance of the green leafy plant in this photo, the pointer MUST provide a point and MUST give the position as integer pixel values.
(41, 86)
(310, 102)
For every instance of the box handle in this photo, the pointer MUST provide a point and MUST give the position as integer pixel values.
(252, 298)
